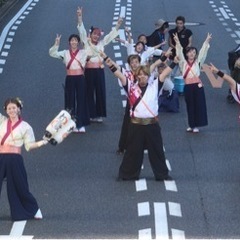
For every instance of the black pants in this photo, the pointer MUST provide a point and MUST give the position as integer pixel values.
(196, 105)
(139, 137)
(122, 144)
(23, 205)
(96, 92)
(76, 99)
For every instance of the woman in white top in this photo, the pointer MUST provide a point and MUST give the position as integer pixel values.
(94, 71)
(75, 82)
(14, 133)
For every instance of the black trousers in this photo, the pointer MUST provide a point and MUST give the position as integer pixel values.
(139, 138)
(196, 105)
(96, 92)
(23, 205)
(76, 99)
(122, 143)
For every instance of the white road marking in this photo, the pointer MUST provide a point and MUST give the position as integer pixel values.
(225, 15)
(143, 209)
(178, 234)
(170, 186)
(175, 209)
(18, 228)
(168, 165)
(123, 12)
(145, 234)
(119, 62)
(8, 26)
(141, 185)
(124, 103)
(161, 224)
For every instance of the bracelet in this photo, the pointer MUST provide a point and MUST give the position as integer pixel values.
(113, 69)
(105, 59)
(172, 65)
(220, 73)
(163, 58)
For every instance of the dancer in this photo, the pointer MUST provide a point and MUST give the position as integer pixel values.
(14, 132)
(193, 90)
(143, 130)
(94, 72)
(75, 83)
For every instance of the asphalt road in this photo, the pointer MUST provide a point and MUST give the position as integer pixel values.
(75, 182)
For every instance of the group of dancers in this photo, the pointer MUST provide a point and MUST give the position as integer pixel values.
(85, 99)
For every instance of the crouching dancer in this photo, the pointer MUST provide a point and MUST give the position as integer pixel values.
(144, 130)
(14, 132)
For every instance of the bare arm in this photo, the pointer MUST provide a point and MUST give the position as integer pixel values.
(224, 76)
(114, 68)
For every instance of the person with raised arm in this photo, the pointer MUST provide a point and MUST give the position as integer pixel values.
(193, 89)
(94, 70)
(75, 83)
(143, 130)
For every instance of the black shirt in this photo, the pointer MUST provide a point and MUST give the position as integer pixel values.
(183, 36)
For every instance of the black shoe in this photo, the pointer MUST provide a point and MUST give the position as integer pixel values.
(120, 151)
(168, 178)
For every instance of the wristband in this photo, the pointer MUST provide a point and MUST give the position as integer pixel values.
(163, 58)
(172, 65)
(220, 73)
(113, 68)
(105, 59)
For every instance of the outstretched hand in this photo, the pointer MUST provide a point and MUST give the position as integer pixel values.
(176, 39)
(209, 37)
(79, 11)
(213, 68)
(57, 39)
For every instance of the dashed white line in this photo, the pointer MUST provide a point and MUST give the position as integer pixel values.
(145, 234)
(141, 185)
(18, 228)
(175, 209)
(143, 209)
(177, 234)
(170, 186)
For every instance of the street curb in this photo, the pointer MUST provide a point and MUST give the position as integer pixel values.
(7, 7)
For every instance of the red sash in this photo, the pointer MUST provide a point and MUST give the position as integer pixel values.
(188, 70)
(73, 55)
(10, 128)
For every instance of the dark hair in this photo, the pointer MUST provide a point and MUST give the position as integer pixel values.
(164, 26)
(141, 35)
(188, 49)
(133, 56)
(139, 42)
(180, 18)
(98, 30)
(74, 36)
(16, 101)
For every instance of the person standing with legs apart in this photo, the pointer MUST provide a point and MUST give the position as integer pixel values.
(75, 83)
(14, 132)
(94, 72)
(144, 130)
(193, 90)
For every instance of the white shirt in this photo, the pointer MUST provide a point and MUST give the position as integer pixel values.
(66, 57)
(22, 134)
(148, 105)
(93, 50)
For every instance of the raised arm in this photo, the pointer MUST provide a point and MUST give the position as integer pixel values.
(204, 49)
(53, 51)
(168, 70)
(114, 68)
(113, 34)
(81, 29)
(163, 58)
(224, 76)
